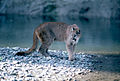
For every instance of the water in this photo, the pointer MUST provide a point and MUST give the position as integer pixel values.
(98, 35)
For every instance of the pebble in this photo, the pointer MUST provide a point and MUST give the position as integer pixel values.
(35, 68)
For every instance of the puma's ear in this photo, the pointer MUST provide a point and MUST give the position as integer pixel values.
(74, 25)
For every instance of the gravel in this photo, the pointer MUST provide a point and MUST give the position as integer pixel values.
(36, 67)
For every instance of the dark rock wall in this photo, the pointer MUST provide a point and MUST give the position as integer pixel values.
(89, 8)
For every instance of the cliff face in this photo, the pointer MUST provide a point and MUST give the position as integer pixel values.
(90, 8)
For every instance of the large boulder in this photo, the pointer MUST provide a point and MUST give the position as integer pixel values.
(89, 8)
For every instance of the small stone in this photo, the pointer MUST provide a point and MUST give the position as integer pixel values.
(14, 74)
(80, 73)
(40, 76)
(1, 70)
(27, 71)
(57, 72)
(30, 76)
(70, 79)
(2, 77)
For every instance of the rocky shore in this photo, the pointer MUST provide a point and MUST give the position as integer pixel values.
(56, 67)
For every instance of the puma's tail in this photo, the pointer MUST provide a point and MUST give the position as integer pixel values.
(32, 49)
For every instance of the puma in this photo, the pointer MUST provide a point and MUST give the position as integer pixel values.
(49, 32)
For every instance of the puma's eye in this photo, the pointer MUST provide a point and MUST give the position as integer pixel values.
(78, 32)
(73, 29)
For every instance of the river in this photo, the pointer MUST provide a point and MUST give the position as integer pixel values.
(99, 35)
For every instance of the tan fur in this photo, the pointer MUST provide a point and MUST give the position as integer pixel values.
(49, 32)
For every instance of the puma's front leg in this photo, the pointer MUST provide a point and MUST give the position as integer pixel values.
(70, 49)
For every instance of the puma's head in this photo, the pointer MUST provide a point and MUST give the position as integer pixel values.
(75, 33)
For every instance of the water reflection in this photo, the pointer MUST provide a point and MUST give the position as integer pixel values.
(98, 35)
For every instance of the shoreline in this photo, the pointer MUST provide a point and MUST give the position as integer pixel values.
(57, 67)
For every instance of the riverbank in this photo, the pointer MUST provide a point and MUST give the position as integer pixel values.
(57, 67)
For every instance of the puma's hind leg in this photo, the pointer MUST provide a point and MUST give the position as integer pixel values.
(43, 49)
(46, 40)
(45, 46)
